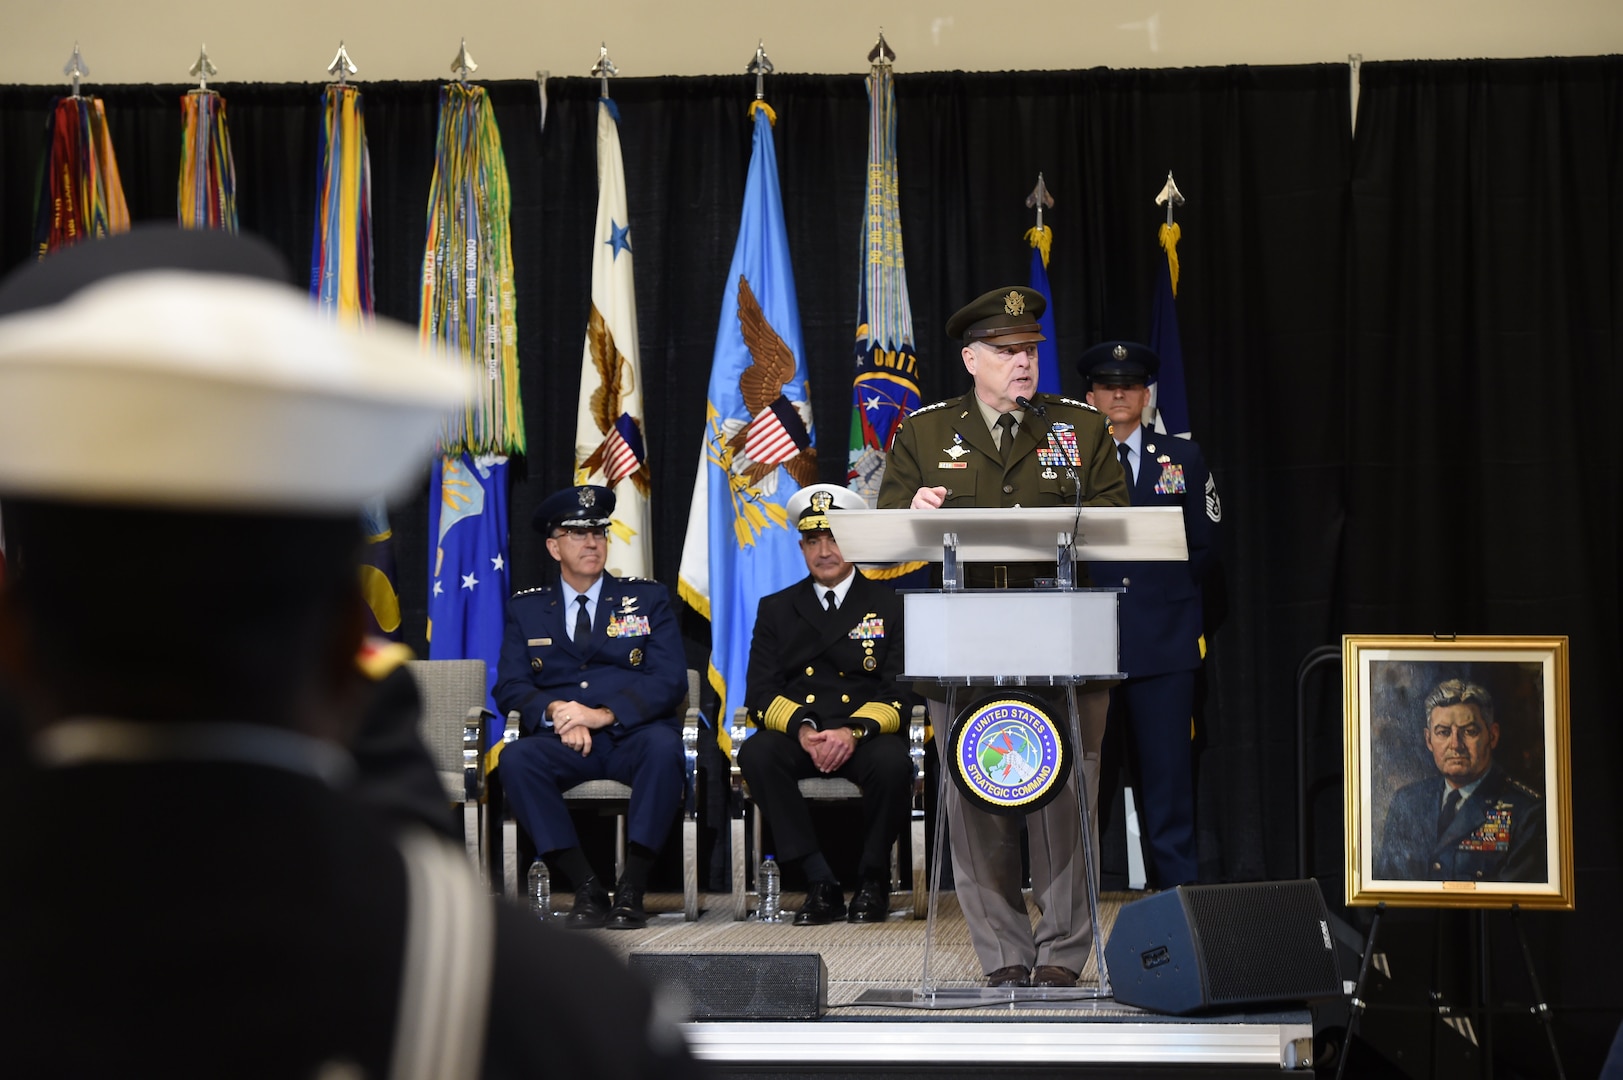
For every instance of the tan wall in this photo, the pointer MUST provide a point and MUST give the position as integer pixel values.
(127, 41)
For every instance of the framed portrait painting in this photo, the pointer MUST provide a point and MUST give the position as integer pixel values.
(1457, 772)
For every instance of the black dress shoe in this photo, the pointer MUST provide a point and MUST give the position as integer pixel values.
(591, 908)
(1052, 975)
(871, 904)
(628, 913)
(824, 904)
(1013, 975)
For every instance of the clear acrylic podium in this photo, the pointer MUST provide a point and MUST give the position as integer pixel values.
(959, 640)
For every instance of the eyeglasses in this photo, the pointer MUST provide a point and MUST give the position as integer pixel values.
(581, 532)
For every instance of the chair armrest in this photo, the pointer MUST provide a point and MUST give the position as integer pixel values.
(915, 748)
(510, 732)
(738, 733)
(476, 727)
(690, 762)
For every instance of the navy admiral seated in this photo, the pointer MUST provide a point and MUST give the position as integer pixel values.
(822, 691)
(595, 669)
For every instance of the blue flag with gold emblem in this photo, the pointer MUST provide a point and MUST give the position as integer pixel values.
(759, 446)
(468, 578)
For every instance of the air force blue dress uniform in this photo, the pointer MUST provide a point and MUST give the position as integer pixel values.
(1160, 623)
(631, 663)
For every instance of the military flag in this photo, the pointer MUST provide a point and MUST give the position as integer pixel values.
(1170, 396)
(759, 445)
(609, 446)
(79, 194)
(886, 387)
(341, 284)
(207, 198)
(1041, 239)
(467, 309)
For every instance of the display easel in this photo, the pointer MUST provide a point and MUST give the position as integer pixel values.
(957, 639)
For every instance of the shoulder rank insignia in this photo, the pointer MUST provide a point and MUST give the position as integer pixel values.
(932, 407)
(1076, 403)
(537, 589)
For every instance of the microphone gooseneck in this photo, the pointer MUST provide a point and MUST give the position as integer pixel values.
(1027, 403)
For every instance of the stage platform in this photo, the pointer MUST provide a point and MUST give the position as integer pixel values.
(1057, 1034)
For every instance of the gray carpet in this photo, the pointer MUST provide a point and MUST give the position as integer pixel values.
(887, 955)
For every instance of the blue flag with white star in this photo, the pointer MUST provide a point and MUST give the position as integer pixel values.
(468, 580)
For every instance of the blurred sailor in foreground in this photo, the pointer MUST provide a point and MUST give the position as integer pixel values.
(188, 888)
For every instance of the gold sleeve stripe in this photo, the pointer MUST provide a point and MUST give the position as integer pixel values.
(779, 714)
(883, 713)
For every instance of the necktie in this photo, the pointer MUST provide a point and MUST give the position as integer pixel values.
(828, 600)
(583, 621)
(1006, 442)
(1451, 806)
(1126, 466)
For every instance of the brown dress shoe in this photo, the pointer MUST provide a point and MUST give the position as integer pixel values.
(1013, 975)
(1053, 975)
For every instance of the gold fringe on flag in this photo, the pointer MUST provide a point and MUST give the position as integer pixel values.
(1169, 243)
(1041, 238)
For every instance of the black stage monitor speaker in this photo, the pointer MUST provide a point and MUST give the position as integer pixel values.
(1217, 946)
(742, 986)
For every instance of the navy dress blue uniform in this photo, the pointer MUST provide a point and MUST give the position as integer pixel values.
(332, 954)
(632, 664)
(1498, 834)
(830, 669)
(1160, 622)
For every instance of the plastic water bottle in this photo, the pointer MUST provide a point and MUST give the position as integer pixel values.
(769, 884)
(540, 890)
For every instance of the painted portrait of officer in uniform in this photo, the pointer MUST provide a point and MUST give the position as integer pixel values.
(1459, 793)
(1471, 820)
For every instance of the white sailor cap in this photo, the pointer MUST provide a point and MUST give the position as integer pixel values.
(170, 387)
(810, 505)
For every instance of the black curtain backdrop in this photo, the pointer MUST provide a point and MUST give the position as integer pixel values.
(1402, 348)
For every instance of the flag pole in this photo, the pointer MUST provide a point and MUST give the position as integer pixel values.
(604, 70)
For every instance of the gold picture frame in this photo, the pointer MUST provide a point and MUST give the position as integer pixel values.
(1425, 715)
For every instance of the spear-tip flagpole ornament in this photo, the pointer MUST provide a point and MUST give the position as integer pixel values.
(881, 53)
(203, 68)
(1170, 196)
(760, 66)
(463, 66)
(75, 69)
(1040, 199)
(604, 69)
(342, 67)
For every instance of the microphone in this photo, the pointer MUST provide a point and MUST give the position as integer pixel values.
(1027, 403)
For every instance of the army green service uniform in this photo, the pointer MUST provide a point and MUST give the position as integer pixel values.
(952, 445)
